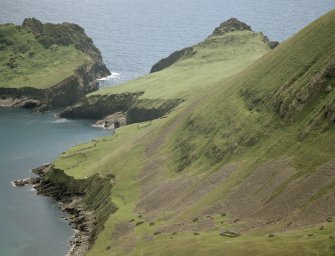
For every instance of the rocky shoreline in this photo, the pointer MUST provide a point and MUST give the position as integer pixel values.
(81, 219)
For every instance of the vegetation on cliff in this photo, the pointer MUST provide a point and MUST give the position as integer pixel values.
(38, 60)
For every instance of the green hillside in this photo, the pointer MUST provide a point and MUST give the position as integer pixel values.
(250, 151)
(217, 57)
(25, 62)
(45, 65)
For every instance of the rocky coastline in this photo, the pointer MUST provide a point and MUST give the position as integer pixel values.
(82, 220)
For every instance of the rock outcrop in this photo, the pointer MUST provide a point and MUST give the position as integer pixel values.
(230, 25)
(135, 109)
(113, 121)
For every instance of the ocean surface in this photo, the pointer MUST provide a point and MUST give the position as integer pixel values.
(132, 35)
(31, 225)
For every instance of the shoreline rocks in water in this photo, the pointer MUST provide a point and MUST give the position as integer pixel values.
(26, 181)
(112, 121)
(81, 219)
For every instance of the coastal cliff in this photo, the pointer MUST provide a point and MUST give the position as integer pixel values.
(87, 201)
(47, 65)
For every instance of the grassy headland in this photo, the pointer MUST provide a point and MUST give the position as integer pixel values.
(36, 58)
(219, 56)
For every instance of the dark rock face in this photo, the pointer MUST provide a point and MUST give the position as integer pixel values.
(67, 92)
(99, 106)
(136, 109)
(173, 58)
(273, 44)
(33, 24)
(230, 25)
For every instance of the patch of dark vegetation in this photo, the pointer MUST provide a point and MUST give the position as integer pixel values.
(157, 233)
(139, 223)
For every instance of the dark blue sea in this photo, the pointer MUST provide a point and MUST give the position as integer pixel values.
(132, 35)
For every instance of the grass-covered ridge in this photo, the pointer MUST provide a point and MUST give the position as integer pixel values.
(217, 57)
(24, 62)
(250, 150)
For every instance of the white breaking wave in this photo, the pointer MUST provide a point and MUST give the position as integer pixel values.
(113, 75)
(60, 121)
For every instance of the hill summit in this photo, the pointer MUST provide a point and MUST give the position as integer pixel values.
(230, 25)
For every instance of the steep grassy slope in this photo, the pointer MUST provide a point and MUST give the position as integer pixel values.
(251, 153)
(37, 60)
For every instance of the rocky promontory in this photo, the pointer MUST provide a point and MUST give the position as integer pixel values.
(47, 65)
(87, 215)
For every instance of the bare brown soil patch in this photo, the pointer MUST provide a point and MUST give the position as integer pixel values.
(123, 235)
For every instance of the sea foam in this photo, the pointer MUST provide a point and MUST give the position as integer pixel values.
(113, 75)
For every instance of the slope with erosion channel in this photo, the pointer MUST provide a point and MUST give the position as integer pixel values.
(47, 65)
(150, 97)
(228, 172)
